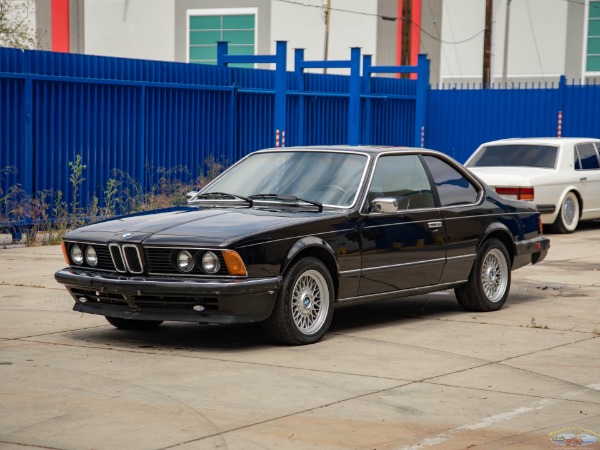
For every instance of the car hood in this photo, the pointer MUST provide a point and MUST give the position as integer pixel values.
(192, 226)
(510, 176)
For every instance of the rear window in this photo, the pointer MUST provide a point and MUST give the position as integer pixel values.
(516, 155)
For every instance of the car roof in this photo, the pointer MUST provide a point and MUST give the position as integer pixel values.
(371, 149)
(543, 140)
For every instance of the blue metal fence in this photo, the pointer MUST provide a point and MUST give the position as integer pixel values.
(146, 118)
(459, 118)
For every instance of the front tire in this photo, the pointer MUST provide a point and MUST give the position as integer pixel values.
(489, 282)
(130, 324)
(568, 216)
(304, 307)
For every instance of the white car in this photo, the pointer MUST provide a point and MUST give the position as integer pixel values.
(561, 176)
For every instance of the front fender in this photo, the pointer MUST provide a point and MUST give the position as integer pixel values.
(306, 243)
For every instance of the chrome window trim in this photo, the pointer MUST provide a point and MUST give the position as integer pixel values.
(308, 150)
(425, 152)
(593, 144)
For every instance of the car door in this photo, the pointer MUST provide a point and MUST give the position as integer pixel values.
(587, 166)
(403, 244)
(464, 221)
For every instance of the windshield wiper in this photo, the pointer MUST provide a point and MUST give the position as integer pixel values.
(286, 198)
(223, 195)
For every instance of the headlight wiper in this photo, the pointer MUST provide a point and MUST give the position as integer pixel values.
(286, 198)
(222, 196)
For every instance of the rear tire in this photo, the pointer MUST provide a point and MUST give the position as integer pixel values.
(568, 216)
(304, 306)
(489, 281)
(130, 324)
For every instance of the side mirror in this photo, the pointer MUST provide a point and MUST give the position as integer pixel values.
(384, 205)
(190, 195)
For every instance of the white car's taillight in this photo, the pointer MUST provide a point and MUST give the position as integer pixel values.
(516, 192)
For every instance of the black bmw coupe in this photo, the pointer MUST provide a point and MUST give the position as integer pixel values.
(286, 236)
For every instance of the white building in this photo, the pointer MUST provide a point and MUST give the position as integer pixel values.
(546, 38)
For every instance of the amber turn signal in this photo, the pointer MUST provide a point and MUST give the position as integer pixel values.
(64, 250)
(234, 263)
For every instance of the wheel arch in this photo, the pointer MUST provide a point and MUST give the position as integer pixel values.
(317, 248)
(502, 233)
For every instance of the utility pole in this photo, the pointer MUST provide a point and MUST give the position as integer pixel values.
(506, 32)
(406, 35)
(487, 43)
(327, 5)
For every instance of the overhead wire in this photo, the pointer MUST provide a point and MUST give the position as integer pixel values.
(386, 17)
(537, 48)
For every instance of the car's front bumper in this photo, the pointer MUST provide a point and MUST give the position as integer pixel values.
(530, 251)
(216, 300)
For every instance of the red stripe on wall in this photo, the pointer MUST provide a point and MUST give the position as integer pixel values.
(415, 38)
(60, 25)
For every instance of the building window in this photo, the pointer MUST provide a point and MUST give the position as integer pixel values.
(593, 42)
(208, 26)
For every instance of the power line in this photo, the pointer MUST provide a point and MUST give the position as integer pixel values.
(392, 18)
(537, 49)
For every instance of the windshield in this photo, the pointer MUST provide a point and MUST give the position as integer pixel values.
(515, 155)
(329, 178)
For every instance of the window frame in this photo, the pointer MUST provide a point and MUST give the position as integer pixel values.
(584, 58)
(479, 190)
(220, 12)
(578, 164)
(427, 178)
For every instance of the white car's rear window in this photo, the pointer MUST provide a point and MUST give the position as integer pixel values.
(516, 155)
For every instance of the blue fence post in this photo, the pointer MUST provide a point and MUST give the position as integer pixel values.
(26, 174)
(299, 73)
(280, 61)
(421, 107)
(354, 106)
(222, 50)
(280, 88)
(367, 64)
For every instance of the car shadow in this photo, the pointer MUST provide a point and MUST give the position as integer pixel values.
(177, 336)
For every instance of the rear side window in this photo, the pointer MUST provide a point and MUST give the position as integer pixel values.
(453, 187)
(586, 157)
(516, 155)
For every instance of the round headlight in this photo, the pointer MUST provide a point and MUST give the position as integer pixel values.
(210, 262)
(77, 255)
(90, 256)
(185, 261)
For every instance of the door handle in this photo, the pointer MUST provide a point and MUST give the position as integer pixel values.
(434, 225)
(583, 179)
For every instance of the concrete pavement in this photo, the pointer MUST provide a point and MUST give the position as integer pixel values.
(406, 374)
